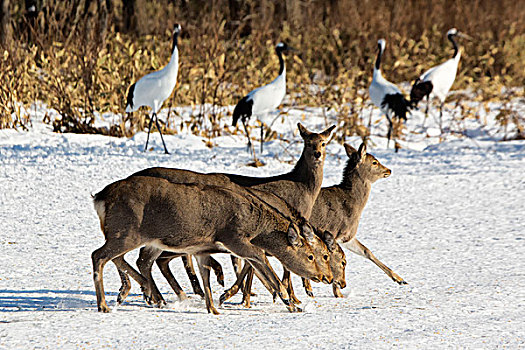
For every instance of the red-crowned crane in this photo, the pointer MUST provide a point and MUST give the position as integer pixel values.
(438, 80)
(385, 95)
(154, 88)
(261, 101)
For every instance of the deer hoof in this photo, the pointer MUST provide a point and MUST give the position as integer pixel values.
(104, 308)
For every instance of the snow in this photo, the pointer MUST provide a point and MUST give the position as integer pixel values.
(449, 221)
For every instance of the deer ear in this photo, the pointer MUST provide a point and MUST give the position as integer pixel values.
(308, 232)
(302, 130)
(349, 150)
(329, 240)
(328, 131)
(362, 152)
(293, 236)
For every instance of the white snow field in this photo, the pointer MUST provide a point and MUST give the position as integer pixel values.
(450, 221)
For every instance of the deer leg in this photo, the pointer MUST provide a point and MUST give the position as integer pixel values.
(123, 266)
(235, 288)
(163, 264)
(247, 289)
(203, 262)
(190, 271)
(237, 267)
(308, 287)
(160, 132)
(109, 251)
(287, 281)
(149, 130)
(147, 257)
(124, 288)
(267, 272)
(217, 269)
(356, 247)
(246, 271)
(125, 270)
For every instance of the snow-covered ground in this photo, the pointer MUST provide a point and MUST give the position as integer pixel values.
(450, 221)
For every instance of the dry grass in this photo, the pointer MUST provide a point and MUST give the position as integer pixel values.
(226, 49)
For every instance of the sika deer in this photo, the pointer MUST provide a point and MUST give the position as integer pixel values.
(195, 219)
(338, 208)
(337, 267)
(298, 188)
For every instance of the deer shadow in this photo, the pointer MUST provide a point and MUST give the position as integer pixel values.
(48, 300)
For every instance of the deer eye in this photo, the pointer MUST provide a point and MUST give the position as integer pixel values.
(324, 144)
(310, 257)
(344, 263)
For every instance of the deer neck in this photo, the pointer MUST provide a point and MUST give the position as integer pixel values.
(310, 175)
(272, 242)
(356, 188)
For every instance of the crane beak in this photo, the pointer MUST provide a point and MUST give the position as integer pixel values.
(291, 49)
(465, 36)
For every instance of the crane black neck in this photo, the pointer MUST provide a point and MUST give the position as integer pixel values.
(281, 61)
(378, 60)
(456, 50)
(175, 41)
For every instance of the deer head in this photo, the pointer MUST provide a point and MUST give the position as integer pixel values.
(315, 145)
(366, 164)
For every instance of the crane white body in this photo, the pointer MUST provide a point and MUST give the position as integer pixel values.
(263, 100)
(268, 97)
(154, 88)
(438, 80)
(442, 77)
(379, 88)
(385, 95)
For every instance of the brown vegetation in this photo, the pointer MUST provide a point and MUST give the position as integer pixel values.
(80, 56)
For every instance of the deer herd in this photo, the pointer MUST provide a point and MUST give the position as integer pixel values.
(174, 213)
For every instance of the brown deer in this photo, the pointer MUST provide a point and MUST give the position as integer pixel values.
(338, 208)
(337, 267)
(298, 189)
(196, 219)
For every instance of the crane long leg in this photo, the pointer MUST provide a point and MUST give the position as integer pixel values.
(250, 145)
(426, 112)
(149, 130)
(248, 136)
(390, 127)
(262, 141)
(160, 132)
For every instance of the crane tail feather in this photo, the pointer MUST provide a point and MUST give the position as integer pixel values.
(419, 90)
(243, 110)
(397, 104)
